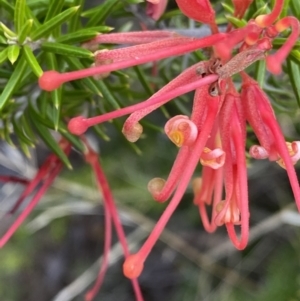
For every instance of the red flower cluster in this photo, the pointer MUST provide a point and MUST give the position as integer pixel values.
(215, 133)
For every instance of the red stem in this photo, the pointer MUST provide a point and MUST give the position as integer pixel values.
(107, 195)
(31, 205)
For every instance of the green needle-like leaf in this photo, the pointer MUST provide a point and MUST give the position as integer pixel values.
(260, 72)
(89, 82)
(55, 8)
(261, 11)
(25, 30)
(48, 139)
(7, 32)
(25, 149)
(295, 5)
(24, 120)
(295, 55)
(13, 81)
(67, 50)
(56, 21)
(228, 8)
(294, 75)
(278, 42)
(7, 133)
(78, 37)
(18, 130)
(101, 12)
(7, 6)
(238, 23)
(19, 15)
(32, 61)
(56, 95)
(13, 52)
(142, 78)
(3, 55)
(75, 21)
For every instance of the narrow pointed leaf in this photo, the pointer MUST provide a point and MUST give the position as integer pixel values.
(3, 39)
(13, 82)
(25, 149)
(261, 11)
(18, 130)
(48, 139)
(89, 82)
(56, 21)
(75, 21)
(143, 80)
(25, 30)
(67, 50)
(5, 73)
(13, 52)
(24, 120)
(78, 37)
(238, 23)
(295, 6)
(228, 8)
(54, 9)
(7, 6)
(7, 134)
(278, 42)
(35, 4)
(30, 15)
(295, 55)
(3, 55)
(56, 94)
(102, 12)
(260, 72)
(19, 15)
(32, 61)
(7, 32)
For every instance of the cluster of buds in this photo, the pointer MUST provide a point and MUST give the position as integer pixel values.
(215, 133)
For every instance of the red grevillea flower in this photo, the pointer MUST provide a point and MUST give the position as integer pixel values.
(215, 133)
(45, 176)
(111, 216)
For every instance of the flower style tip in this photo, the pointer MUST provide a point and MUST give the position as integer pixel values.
(294, 152)
(133, 266)
(78, 125)
(50, 80)
(264, 21)
(181, 131)
(213, 158)
(274, 61)
(132, 132)
(273, 65)
(155, 186)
